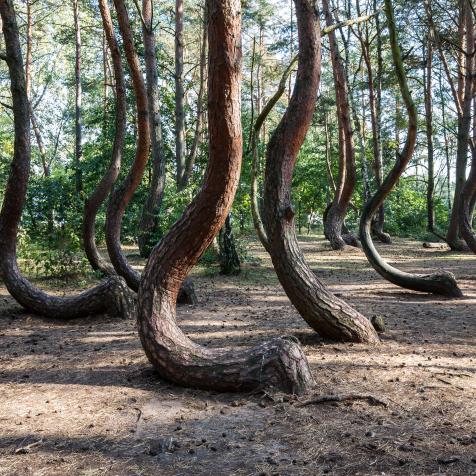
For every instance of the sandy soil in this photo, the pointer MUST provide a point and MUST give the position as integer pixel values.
(79, 398)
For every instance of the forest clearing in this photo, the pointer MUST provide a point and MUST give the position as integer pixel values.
(85, 394)
(237, 237)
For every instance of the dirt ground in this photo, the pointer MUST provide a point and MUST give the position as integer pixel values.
(80, 398)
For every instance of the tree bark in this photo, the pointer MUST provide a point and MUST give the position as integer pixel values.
(179, 93)
(78, 128)
(347, 174)
(438, 283)
(430, 192)
(110, 296)
(465, 93)
(93, 204)
(468, 196)
(149, 219)
(229, 259)
(378, 224)
(192, 156)
(328, 315)
(279, 363)
(123, 194)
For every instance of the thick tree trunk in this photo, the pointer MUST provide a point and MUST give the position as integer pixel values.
(328, 315)
(78, 127)
(279, 363)
(465, 93)
(112, 295)
(438, 283)
(229, 259)
(149, 219)
(347, 174)
(93, 204)
(179, 93)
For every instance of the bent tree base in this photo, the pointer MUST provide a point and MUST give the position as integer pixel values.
(279, 363)
(329, 316)
(442, 283)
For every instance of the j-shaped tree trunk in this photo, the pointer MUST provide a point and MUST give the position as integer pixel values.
(329, 316)
(279, 363)
(121, 196)
(149, 219)
(465, 95)
(229, 259)
(111, 296)
(347, 178)
(437, 283)
(93, 204)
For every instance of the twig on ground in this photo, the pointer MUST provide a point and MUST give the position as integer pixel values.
(344, 398)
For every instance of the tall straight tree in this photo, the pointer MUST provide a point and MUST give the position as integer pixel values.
(149, 218)
(328, 315)
(179, 93)
(279, 363)
(78, 128)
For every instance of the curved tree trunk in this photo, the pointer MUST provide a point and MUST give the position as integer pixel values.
(123, 194)
(328, 315)
(112, 295)
(438, 283)
(149, 219)
(347, 174)
(279, 363)
(93, 204)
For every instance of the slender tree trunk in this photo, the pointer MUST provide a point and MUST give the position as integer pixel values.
(192, 156)
(123, 194)
(93, 204)
(438, 283)
(347, 174)
(179, 93)
(428, 85)
(78, 100)
(468, 196)
(279, 363)
(465, 92)
(149, 219)
(328, 315)
(378, 223)
(112, 295)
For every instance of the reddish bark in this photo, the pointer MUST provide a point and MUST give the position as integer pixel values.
(93, 204)
(324, 312)
(112, 295)
(279, 363)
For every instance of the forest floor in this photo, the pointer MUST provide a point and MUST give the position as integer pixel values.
(80, 398)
